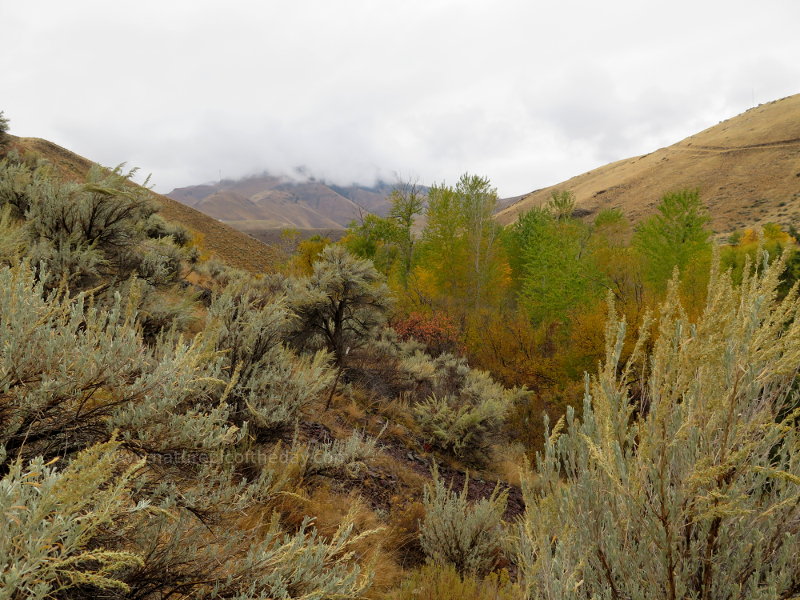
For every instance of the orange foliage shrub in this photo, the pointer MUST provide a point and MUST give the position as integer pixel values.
(436, 330)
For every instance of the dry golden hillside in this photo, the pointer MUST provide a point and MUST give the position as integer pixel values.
(232, 247)
(746, 168)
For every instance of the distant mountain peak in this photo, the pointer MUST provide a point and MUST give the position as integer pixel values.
(275, 201)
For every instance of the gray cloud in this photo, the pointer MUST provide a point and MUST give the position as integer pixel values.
(526, 93)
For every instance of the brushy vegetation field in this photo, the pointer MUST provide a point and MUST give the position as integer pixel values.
(172, 427)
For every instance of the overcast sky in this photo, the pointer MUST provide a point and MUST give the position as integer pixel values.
(527, 93)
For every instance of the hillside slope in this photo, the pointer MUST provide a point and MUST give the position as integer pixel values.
(229, 245)
(746, 168)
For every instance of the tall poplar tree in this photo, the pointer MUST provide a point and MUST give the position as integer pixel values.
(462, 239)
(676, 236)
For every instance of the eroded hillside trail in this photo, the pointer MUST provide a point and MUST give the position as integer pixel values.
(789, 143)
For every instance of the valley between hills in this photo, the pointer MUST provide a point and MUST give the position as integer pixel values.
(422, 393)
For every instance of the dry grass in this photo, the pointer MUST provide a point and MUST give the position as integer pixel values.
(329, 508)
(444, 583)
(508, 462)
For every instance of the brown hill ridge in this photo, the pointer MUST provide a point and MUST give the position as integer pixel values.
(232, 247)
(746, 168)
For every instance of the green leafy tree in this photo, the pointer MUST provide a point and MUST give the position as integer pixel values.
(675, 237)
(615, 258)
(389, 241)
(462, 240)
(407, 203)
(554, 267)
(375, 238)
(445, 249)
(479, 200)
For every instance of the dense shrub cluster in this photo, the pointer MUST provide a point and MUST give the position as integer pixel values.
(71, 371)
(128, 452)
(96, 234)
(72, 375)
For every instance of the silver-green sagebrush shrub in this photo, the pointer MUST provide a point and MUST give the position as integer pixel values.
(82, 231)
(269, 383)
(155, 227)
(459, 410)
(22, 179)
(52, 519)
(690, 488)
(441, 376)
(71, 372)
(158, 262)
(462, 429)
(12, 237)
(97, 232)
(94, 235)
(466, 408)
(341, 305)
(471, 537)
(220, 273)
(348, 455)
